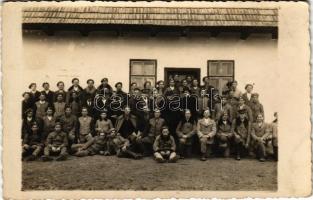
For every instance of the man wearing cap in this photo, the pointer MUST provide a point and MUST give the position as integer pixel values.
(164, 147)
(97, 145)
(56, 143)
(105, 88)
(69, 123)
(206, 130)
(256, 106)
(241, 128)
(261, 135)
(248, 94)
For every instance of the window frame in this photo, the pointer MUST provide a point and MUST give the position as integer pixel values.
(142, 60)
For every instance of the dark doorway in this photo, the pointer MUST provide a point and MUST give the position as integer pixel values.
(169, 73)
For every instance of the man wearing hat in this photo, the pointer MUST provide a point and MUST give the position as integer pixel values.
(69, 123)
(105, 88)
(242, 106)
(89, 92)
(56, 144)
(256, 106)
(32, 143)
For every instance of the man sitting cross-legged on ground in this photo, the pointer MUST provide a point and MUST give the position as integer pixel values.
(56, 144)
(120, 146)
(97, 145)
(164, 147)
(32, 143)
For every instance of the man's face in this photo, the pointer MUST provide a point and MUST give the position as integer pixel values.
(225, 116)
(60, 98)
(185, 83)
(113, 133)
(157, 114)
(249, 89)
(118, 87)
(102, 136)
(259, 118)
(234, 85)
(42, 97)
(49, 112)
(34, 128)
(176, 77)
(90, 84)
(57, 128)
(206, 80)
(206, 114)
(33, 87)
(187, 114)
(136, 93)
(172, 83)
(165, 132)
(103, 115)
(68, 111)
(195, 82)
(224, 100)
(241, 101)
(127, 111)
(84, 112)
(29, 114)
(46, 86)
(255, 99)
(76, 82)
(242, 116)
(161, 85)
(61, 86)
(134, 85)
(202, 93)
(189, 78)
(105, 82)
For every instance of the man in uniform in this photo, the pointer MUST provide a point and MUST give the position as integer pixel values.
(56, 143)
(69, 123)
(221, 108)
(164, 147)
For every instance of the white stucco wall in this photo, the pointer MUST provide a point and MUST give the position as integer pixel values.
(68, 55)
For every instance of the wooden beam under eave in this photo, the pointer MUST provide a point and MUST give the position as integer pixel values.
(214, 33)
(244, 35)
(48, 31)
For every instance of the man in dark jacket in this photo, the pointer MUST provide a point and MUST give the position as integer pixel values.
(164, 147)
(98, 145)
(32, 143)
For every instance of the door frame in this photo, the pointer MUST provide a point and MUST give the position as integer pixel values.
(197, 70)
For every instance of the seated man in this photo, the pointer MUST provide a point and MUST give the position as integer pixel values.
(120, 146)
(185, 130)
(164, 147)
(206, 130)
(32, 143)
(262, 136)
(224, 134)
(241, 128)
(152, 130)
(56, 144)
(97, 145)
(84, 130)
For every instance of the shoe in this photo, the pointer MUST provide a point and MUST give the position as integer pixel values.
(238, 157)
(262, 159)
(137, 156)
(203, 158)
(181, 157)
(61, 158)
(31, 158)
(160, 160)
(46, 158)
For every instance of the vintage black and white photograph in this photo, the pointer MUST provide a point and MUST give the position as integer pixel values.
(153, 97)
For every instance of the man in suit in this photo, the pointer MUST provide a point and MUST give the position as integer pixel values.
(206, 130)
(248, 94)
(261, 135)
(48, 93)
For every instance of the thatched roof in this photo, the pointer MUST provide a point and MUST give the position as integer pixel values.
(159, 16)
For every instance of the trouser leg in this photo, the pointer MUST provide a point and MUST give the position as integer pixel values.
(261, 150)
(47, 151)
(203, 145)
(75, 147)
(37, 151)
(172, 157)
(158, 157)
(82, 153)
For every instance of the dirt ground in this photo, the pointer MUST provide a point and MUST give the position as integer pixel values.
(112, 173)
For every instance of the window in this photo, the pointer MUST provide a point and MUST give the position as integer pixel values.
(141, 71)
(220, 72)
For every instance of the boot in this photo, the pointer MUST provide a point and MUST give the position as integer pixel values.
(203, 157)
(46, 158)
(31, 158)
(61, 158)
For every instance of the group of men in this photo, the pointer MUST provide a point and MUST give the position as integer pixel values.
(167, 122)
